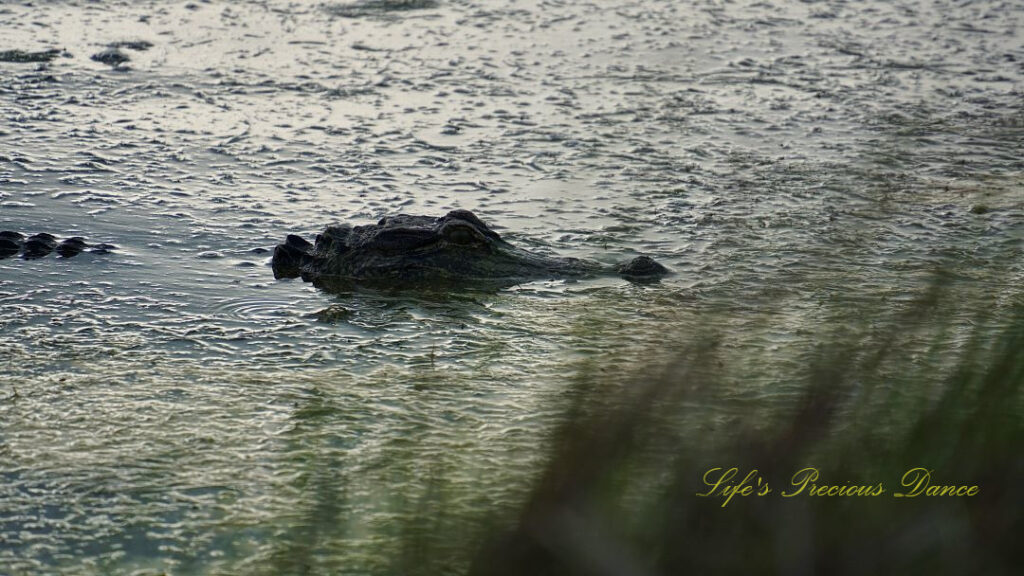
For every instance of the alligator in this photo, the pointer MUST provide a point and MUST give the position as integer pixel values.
(116, 58)
(111, 56)
(42, 244)
(451, 250)
(22, 56)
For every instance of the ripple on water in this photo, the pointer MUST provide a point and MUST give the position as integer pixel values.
(259, 309)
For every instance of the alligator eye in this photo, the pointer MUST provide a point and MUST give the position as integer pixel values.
(461, 234)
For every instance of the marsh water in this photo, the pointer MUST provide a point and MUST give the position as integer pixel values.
(171, 407)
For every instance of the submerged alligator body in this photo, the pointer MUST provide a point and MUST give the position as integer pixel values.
(407, 251)
(42, 244)
(22, 56)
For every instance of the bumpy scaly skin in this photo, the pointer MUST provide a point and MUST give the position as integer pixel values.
(42, 244)
(454, 249)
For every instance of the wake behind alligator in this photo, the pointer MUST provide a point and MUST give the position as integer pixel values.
(423, 251)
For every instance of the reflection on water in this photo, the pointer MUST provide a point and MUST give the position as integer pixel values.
(170, 406)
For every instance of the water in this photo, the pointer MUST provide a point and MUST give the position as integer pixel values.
(171, 406)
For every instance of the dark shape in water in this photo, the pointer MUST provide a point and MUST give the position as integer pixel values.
(137, 45)
(42, 244)
(38, 245)
(10, 243)
(331, 314)
(365, 8)
(423, 251)
(71, 247)
(22, 56)
(111, 56)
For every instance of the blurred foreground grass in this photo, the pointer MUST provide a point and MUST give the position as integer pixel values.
(619, 494)
(862, 394)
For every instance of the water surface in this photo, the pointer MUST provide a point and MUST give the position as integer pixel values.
(172, 407)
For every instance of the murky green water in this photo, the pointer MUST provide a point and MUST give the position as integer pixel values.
(172, 407)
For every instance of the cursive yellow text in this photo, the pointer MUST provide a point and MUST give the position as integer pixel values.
(919, 483)
(720, 483)
(804, 480)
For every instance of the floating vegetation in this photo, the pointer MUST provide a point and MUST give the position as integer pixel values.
(331, 314)
(137, 45)
(371, 8)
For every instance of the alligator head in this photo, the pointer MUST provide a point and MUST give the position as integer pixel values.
(454, 249)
